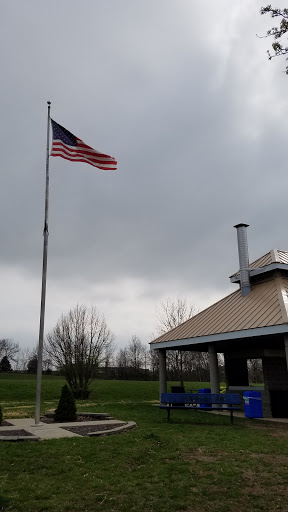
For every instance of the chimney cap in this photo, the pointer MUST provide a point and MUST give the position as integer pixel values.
(241, 225)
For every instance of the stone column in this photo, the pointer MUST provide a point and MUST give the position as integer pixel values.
(162, 372)
(214, 373)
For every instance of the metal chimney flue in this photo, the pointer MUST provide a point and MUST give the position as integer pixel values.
(243, 258)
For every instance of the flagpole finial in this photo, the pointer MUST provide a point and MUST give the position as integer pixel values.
(49, 102)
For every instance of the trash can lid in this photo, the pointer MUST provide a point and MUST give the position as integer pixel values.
(251, 394)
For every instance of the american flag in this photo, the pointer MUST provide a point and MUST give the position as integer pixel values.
(66, 145)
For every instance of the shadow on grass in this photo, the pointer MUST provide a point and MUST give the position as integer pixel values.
(199, 418)
(4, 502)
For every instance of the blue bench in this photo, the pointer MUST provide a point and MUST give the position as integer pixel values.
(191, 401)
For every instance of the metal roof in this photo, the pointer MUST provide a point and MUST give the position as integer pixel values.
(265, 306)
(273, 256)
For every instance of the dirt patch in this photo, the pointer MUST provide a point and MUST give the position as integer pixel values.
(275, 430)
(268, 425)
(199, 455)
(84, 430)
(273, 459)
(279, 434)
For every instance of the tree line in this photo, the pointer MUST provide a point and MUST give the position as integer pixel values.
(81, 347)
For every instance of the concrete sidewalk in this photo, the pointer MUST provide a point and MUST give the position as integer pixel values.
(57, 430)
(240, 414)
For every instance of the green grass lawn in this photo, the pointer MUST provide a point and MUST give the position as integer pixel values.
(196, 463)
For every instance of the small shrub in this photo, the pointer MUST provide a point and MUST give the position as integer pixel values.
(66, 409)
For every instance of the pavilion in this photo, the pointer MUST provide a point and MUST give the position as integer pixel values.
(250, 323)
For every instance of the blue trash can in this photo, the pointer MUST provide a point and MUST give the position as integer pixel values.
(205, 390)
(253, 404)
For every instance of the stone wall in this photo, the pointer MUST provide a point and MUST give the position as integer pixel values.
(275, 380)
(275, 373)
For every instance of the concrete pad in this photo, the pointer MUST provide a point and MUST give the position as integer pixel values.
(241, 414)
(54, 430)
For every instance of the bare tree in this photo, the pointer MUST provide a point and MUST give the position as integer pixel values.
(135, 353)
(153, 362)
(122, 358)
(122, 363)
(196, 364)
(132, 360)
(8, 348)
(21, 359)
(78, 345)
(32, 364)
(108, 354)
(255, 370)
(24, 358)
(172, 313)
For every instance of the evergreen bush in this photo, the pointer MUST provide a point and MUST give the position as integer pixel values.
(5, 365)
(66, 409)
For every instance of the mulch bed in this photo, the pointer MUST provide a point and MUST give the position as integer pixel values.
(48, 419)
(15, 433)
(6, 424)
(83, 430)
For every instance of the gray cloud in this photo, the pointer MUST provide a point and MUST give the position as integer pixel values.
(196, 117)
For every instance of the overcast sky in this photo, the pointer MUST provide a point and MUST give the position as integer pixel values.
(182, 94)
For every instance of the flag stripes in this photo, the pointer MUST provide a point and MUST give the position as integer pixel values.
(67, 146)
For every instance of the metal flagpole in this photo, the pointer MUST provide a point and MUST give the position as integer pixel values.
(44, 275)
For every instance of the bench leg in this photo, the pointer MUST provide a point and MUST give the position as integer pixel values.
(168, 414)
(231, 416)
